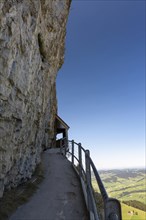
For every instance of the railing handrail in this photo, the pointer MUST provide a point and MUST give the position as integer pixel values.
(98, 179)
(112, 207)
(77, 144)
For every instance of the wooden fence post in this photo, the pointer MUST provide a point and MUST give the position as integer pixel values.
(65, 145)
(72, 152)
(80, 159)
(88, 171)
(88, 177)
(61, 146)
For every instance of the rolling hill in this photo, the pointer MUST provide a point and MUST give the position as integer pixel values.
(129, 187)
(125, 185)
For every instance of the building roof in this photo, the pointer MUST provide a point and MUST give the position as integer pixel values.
(61, 123)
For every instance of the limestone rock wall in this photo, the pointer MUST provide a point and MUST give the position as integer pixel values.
(32, 35)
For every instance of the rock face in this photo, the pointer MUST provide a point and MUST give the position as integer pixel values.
(32, 35)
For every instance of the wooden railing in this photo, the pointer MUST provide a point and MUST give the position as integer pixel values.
(101, 207)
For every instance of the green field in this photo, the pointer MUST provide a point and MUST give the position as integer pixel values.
(136, 215)
(125, 185)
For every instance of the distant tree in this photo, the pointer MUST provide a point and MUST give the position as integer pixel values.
(136, 204)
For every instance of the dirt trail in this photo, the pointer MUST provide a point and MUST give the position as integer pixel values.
(59, 196)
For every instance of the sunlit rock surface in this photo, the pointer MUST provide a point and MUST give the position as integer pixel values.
(32, 35)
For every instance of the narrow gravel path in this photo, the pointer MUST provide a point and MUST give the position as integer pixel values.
(59, 196)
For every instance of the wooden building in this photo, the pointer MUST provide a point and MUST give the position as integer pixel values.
(61, 130)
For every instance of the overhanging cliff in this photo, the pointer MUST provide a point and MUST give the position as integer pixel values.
(32, 36)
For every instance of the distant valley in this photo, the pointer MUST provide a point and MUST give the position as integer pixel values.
(129, 187)
(126, 184)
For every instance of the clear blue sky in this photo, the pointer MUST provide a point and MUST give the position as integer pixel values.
(101, 86)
